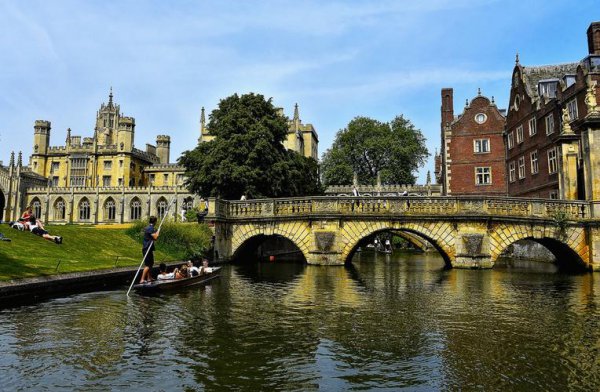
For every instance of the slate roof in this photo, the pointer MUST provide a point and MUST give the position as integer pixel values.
(533, 75)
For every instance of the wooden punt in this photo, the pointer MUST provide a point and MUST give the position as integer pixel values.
(172, 284)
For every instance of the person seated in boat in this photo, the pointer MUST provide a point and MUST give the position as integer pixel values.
(182, 272)
(194, 268)
(163, 274)
(36, 228)
(205, 268)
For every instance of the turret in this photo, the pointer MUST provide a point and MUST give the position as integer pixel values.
(41, 142)
(163, 147)
(125, 134)
(41, 137)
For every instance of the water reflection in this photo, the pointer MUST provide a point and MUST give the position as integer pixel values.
(384, 322)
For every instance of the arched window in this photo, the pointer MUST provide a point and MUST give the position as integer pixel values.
(110, 209)
(59, 209)
(136, 209)
(84, 209)
(36, 205)
(161, 207)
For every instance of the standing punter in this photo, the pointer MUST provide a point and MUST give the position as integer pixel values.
(150, 235)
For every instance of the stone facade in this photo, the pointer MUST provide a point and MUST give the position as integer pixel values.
(301, 138)
(553, 127)
(98, 179)
(472, 159)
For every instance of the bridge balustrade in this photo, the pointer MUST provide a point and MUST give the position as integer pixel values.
(434, 206)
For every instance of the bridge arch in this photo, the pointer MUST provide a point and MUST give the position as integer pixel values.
(436, 233)
(295, 232)
(569, 247)
(262, 240)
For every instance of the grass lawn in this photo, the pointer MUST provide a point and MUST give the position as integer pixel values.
(84, 248)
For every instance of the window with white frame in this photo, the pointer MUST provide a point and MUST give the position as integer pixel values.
(511, 172)
(481, 146)
(572, 109)
(535, 167)
(483, 175)
(553, 194)
(519, 134)
(549, 124)
(54, 168)
(107, 165)
(521, 167)
(552, 161)
(532, 126)
(511, 140)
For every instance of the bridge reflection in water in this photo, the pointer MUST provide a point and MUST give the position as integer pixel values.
(468, 232)
(382, 322)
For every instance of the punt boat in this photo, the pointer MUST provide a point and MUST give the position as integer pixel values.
(171, 284)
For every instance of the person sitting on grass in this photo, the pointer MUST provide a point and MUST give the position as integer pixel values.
(163, 274)
(37, 230)
(26, 214)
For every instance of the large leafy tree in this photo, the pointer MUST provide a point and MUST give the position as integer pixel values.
(367, 147)
(247, 155)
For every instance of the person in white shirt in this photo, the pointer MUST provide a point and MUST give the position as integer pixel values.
(163, 274)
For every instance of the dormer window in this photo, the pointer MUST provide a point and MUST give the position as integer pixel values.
(569, 80)
(547, 88)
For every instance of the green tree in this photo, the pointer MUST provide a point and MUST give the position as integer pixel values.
(366, 147)
(247, 155)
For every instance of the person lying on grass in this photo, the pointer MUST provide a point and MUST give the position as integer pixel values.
(34, 227)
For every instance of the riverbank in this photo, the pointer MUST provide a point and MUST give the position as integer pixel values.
(84, 248)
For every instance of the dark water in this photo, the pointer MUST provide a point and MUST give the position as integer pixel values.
(396, 322)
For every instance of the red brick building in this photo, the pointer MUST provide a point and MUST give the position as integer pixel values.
(472, 160)
(553, 128)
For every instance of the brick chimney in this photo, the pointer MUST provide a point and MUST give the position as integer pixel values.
(593, 34)
(447, 107)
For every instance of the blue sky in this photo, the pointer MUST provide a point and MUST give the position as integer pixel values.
(336, 59)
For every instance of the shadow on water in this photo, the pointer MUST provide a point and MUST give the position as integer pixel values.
(270, 272)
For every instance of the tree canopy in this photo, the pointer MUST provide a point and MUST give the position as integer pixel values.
(247, 155)
(367, 147)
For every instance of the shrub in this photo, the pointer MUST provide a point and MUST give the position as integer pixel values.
(186, 241)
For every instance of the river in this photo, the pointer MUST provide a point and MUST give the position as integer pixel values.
(395, 322)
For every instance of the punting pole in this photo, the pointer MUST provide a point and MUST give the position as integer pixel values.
(150, 247)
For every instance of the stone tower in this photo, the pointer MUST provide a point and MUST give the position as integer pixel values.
(41, 142)
(163, 147)
(125, 134)
(107, 121)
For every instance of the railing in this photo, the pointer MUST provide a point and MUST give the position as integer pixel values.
(410, 206)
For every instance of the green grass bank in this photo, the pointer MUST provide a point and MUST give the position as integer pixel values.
(89, 248)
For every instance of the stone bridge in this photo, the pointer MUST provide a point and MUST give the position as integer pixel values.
(469, 232)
